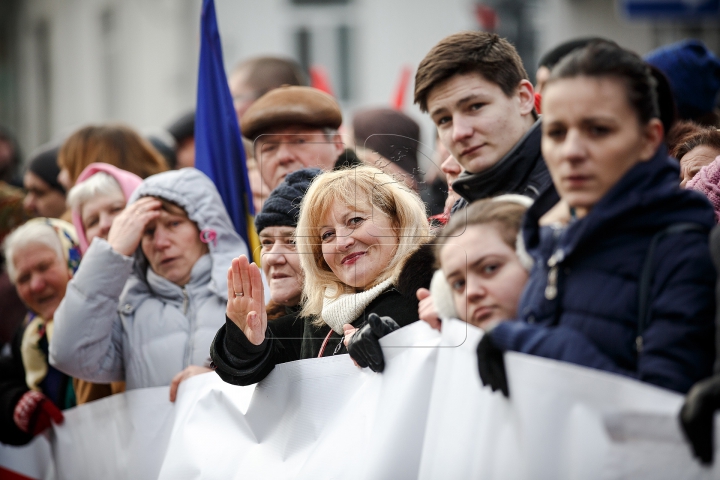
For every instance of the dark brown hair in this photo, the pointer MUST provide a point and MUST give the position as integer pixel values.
(469, 52)
(705, 136)
(679, 132)
(117, 145)
(607, 59)
(505, 215)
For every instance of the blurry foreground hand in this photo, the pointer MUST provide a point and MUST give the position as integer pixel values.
(697, 417)
(35, 412)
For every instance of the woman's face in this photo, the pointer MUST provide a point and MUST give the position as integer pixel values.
(98, 213)
(281, 265)
(358, 243)
(41, 199)
(693, 161)
(485, 275)
(172, 245)
(591, 137)
(41, 278)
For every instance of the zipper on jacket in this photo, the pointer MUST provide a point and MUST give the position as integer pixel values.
(186, 300)
(188, 347)
(551, 290)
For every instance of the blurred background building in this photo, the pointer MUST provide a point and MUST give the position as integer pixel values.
(64, 63)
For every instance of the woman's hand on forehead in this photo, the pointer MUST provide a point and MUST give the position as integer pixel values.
(128, 227)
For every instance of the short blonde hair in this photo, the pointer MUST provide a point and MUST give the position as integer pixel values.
(361, 185)
(100, 184)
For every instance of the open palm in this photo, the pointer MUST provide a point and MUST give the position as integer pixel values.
(247, 311)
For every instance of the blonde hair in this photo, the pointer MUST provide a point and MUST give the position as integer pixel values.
(365, 186)
(100, 184)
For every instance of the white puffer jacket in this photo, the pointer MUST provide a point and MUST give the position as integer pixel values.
(119, 320)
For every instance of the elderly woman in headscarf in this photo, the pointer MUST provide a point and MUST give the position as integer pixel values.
(99, 195)
(42, 256)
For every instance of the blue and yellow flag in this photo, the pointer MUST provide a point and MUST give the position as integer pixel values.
(219, 151)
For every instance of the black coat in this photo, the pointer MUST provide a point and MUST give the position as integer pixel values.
(522, 171)
(56, 386)
(292, 337)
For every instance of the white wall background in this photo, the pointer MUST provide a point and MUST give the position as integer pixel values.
(135, 61)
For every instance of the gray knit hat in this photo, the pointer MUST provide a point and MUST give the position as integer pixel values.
(282, 207)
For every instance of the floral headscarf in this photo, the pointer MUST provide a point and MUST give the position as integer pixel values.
(34, 358)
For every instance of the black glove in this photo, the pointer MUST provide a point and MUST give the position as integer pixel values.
(491, 365)
(364, 345)
(697, 417)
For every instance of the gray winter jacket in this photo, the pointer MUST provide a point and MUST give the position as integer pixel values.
(119, 320)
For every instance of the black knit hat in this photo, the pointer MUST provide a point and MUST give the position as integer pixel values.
(44, 165)
(282, 207)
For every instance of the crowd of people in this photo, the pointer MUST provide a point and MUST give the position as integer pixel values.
(572, 221)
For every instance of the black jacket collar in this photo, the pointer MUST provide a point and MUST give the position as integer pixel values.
(522, 170)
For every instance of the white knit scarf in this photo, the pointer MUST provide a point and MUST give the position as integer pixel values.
(336, 312)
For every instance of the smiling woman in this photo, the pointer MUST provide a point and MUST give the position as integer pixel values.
(42, 256)
(360, 241)
(154, 291)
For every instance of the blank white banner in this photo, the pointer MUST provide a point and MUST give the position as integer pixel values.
(427, 416)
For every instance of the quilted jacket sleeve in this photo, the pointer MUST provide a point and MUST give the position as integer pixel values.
(87, 337)
(678, 344)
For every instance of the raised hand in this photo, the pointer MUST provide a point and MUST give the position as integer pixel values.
(246, 299)
(128, 227)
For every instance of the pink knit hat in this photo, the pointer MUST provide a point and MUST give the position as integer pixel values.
(128, 183)
(707, 181)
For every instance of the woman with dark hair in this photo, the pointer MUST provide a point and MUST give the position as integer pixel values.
(623, 280)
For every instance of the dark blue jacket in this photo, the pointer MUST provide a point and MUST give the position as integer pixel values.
(593, 318)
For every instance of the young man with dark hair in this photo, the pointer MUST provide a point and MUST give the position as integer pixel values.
(477, 92)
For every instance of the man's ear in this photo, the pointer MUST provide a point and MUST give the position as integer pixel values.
(526, 96)
(338, 143)
(653, 134)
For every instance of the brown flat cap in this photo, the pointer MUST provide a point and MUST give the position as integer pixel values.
(290, 106)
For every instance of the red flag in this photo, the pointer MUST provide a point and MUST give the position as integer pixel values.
(398, 100)
(319, 79)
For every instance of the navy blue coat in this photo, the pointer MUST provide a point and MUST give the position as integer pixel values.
(593, 319)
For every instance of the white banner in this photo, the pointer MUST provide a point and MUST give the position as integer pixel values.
(427, 416)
